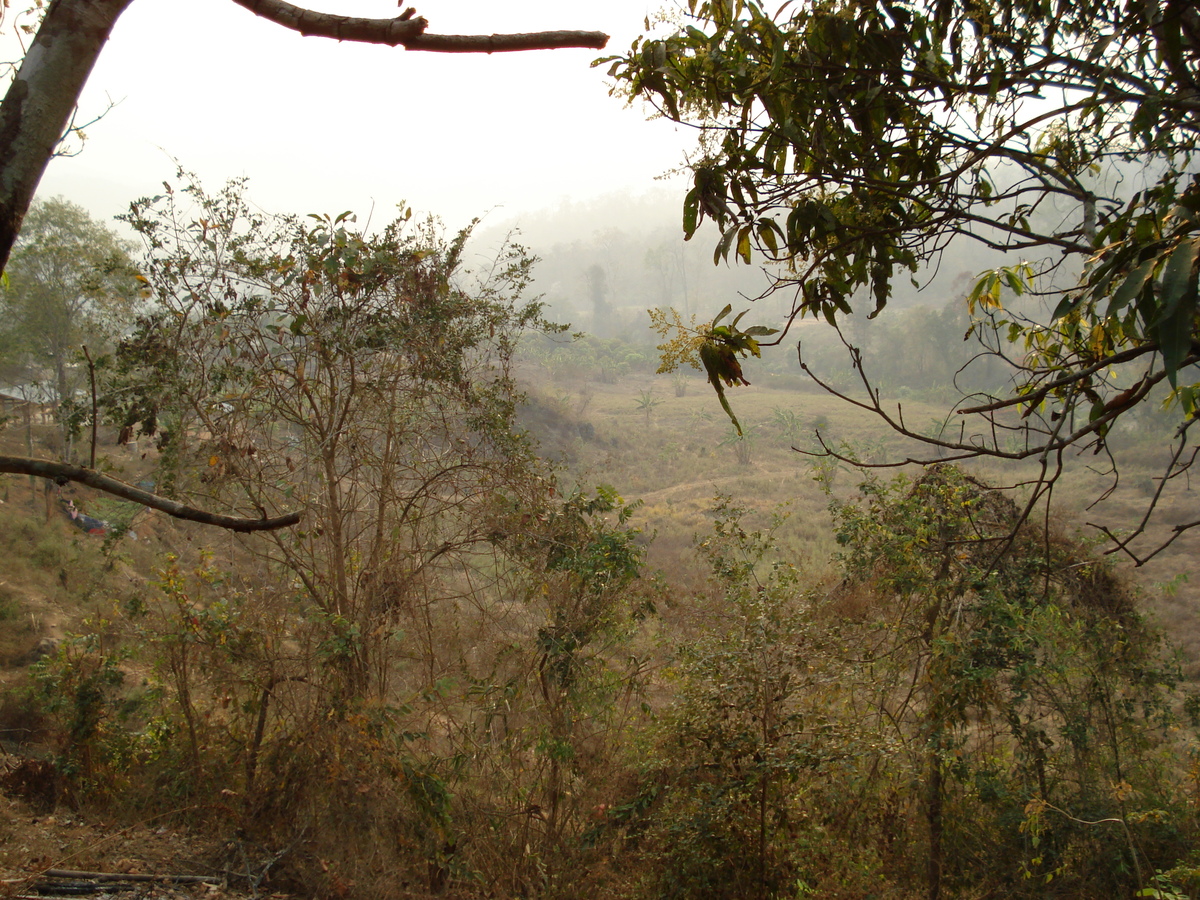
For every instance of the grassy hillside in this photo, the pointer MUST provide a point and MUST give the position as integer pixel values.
(664, 440)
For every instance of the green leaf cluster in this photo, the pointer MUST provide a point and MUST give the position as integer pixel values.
(850, 142)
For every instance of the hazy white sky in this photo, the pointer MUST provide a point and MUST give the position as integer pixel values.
(320, 126)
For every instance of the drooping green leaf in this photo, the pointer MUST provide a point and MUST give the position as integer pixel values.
(1179, 274)
(1176, 333)
(722, 250)
(1132, 286)
(691, 213)
(743, 244)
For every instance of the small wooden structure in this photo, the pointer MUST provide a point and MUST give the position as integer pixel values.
(33, 402)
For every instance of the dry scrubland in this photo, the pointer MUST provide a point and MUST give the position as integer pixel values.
(675, 460)
(683, 454)
(632, 816)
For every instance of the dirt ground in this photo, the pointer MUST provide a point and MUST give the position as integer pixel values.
(34, 843)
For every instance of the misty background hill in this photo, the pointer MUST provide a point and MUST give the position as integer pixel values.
(603, 262)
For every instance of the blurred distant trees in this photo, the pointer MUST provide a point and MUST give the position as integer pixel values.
(596, 280)
(908, 353)
(668, 262)
(71, 283)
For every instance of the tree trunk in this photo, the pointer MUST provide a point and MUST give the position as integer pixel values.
(42, 97)
(933, 818)
(60, 411)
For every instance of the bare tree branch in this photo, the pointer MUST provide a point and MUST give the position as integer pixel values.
(507, 43)
(136, 879)
(36, 112)
(408, 31)
(43, 468)
(1051, 441)
(1122, 544)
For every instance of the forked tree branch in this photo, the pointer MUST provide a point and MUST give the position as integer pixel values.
(43, 468)
(407, 30)
(1051, 443)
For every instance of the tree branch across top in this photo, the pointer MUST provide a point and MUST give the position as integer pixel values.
(408, 30)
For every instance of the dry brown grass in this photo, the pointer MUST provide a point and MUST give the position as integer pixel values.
(684, 458)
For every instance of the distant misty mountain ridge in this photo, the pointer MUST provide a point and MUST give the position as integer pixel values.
(636, 242)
